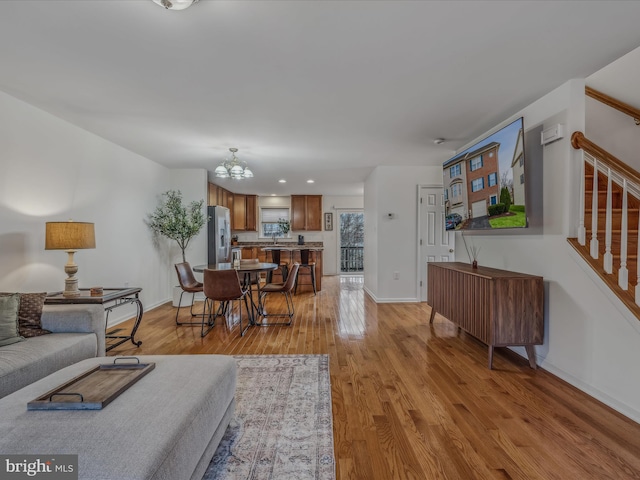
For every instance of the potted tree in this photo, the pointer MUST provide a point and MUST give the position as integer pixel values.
(177, 222)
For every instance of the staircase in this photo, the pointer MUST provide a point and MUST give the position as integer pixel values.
(610, 216)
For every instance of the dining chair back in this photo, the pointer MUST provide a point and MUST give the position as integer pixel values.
(223, 286)
(188, 284)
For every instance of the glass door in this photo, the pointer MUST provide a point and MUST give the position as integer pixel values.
(351, 242)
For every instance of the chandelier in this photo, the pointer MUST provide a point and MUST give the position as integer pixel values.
(175, 4)
(233, 168)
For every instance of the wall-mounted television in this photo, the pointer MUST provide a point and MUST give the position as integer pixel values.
(485, 185)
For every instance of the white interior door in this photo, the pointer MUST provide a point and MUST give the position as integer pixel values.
(435, 243)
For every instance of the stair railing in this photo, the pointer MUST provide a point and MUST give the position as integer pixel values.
(629, 180)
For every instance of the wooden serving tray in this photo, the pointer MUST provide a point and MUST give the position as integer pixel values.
(95, 388)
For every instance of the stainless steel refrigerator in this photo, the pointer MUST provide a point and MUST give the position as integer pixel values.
(219, 235)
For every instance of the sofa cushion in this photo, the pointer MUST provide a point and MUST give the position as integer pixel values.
(25, 362)
(30, 314)
(9, 306)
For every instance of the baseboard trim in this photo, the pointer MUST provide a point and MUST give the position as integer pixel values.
(389, 300)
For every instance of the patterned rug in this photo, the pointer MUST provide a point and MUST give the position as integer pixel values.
(282, 428)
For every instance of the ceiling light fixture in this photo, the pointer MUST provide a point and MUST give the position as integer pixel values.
(175, 4)
(282, 180)
(233, 168)
(439, 141)
(310, 181)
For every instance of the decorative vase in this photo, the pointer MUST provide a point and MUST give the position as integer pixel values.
(474, 264)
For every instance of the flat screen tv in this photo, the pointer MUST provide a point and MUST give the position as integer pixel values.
(484, 186)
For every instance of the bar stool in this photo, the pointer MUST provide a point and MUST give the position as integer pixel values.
(305, 263)
(283, 266)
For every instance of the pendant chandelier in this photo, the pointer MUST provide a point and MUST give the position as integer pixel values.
(233, 168)
(175, 4)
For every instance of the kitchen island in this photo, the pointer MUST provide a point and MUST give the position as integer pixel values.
(289, 252)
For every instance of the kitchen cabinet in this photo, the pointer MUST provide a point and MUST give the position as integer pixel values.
(306, 212)
(243, 213)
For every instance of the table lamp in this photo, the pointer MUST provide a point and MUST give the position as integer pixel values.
(70, 236)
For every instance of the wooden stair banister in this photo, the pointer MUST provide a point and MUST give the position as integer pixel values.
(614, 103)
(579, 141)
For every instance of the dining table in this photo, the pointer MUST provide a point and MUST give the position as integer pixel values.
(245, 270)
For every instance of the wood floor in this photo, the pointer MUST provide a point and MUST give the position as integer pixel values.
(416, 401)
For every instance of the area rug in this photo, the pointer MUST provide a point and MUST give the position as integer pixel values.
(282, 428)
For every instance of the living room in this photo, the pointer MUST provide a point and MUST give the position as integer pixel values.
(54, 170)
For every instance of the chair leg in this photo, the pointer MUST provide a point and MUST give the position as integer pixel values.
(246, 304)
(203, 314)
(210, 321)
(313, 278)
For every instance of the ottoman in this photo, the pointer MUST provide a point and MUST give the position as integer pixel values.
(165, 426)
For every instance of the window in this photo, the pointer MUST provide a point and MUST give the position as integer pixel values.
(456, 190)
(455, 171)
(446, 194)
(493, 200)
(521, 178)
(493, 179)
(477, 184)
(476, 163)
(269, 226)
(521, 160)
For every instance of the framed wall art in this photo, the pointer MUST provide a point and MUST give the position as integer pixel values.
(328, 221)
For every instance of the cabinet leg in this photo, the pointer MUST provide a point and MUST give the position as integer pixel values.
(531, 353)
(490, 357)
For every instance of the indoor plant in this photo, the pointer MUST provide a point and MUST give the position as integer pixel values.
(176, 221)
(285, 226)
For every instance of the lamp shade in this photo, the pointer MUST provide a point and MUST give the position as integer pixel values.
(69, 236)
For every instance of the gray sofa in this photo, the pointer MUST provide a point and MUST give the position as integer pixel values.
(77, 333)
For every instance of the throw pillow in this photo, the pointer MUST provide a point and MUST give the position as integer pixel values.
(9, 307)
(30, 313)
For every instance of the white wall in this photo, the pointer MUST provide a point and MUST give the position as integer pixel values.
(52, 171)
(590, 340)
(391, 244)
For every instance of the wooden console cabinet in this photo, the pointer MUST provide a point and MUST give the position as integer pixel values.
(498, 307)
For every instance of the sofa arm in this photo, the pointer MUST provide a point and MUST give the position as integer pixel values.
(76, 319)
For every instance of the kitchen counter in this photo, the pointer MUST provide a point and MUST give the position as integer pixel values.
(289, 253)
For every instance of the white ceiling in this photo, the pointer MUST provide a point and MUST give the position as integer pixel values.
(326, 90)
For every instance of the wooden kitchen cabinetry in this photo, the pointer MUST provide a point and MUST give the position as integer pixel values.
(244, 214)
(306, 212)
(498, 307)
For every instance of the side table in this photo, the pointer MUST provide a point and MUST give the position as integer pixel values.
(111, 298)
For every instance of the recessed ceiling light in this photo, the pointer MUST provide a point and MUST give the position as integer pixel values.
(282, 180)
(310, 181)
(273, 195)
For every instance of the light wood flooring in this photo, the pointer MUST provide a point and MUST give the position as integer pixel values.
(416, 401)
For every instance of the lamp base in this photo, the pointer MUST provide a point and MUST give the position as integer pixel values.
(71, 287)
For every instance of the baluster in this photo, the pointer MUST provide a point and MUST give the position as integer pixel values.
(582, 231)
(608, 257)
(623, 273)
(594, 213)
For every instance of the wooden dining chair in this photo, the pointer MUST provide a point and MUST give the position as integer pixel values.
(188, 284)
(285, 289)
(223, 286)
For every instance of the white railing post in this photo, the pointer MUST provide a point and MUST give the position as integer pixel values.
(623, 273)
(582, 231)
(608, 256)
(594, 213)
